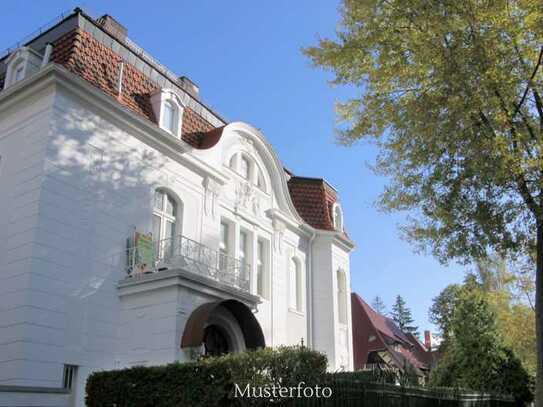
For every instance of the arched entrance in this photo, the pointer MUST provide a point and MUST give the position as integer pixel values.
(222, 327)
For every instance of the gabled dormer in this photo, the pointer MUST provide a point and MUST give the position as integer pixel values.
(168, 109)
(21, 64)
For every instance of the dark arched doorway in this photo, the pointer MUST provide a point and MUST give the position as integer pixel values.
(216, 341)
(222, 327)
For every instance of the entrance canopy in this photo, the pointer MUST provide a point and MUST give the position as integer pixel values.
(195, 328)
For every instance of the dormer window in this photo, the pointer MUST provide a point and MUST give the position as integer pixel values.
(168, 110)
(169, 117)
(21, 64)
(19, 72)
(338, 217)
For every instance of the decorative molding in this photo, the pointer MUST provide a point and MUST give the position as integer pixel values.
(212, 190)
(279, 228)
(247, 199)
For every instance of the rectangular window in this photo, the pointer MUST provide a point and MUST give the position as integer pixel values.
(243, 247)
(224, 247)
(69, 376)
(261, 269)
(19, 72)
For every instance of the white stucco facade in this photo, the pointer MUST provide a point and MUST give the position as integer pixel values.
(78, 175)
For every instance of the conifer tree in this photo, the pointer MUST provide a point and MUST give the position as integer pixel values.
(402, 316)
(378, 305)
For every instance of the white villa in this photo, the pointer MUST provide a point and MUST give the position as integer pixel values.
(138, 227)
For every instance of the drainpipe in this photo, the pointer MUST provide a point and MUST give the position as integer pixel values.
(47, 54)
(120, 80)
(309, 290)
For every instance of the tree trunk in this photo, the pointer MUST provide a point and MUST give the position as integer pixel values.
(539, 315)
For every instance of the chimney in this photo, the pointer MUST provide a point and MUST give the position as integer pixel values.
(428, 340)
(189, 86)
(113, 27)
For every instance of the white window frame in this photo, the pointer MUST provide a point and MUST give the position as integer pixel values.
(158, 103)
(172, 127)
(165, 217)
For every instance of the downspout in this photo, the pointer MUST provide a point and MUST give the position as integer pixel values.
(309, 289)
(47, 54)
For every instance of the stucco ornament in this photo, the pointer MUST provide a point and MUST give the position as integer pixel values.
(212, 190)
(279, 231)
(247, 199)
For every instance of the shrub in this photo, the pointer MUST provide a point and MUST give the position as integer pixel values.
(207, 382)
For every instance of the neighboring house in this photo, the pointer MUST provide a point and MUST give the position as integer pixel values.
(379, 343)
(138, 227)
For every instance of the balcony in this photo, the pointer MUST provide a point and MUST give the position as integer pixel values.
(147, 257)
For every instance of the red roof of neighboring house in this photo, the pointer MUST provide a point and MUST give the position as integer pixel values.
(386, 336)
(384, 325)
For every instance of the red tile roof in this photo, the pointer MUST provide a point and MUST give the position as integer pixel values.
(367, 322)
(313, 199)
(83, 55)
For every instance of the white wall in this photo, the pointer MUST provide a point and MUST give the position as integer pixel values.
(74, 183)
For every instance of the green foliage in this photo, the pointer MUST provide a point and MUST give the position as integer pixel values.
(402, 316)
(475, 355)
(442, 309)
(207, 382)
(379, 306)
(450, 92)
(515, 318)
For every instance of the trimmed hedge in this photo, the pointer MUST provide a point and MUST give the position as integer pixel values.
(207, 382)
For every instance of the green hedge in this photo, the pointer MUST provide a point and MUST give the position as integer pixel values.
(207, 382)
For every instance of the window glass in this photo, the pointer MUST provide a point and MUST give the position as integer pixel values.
(232, 163)
(19, 69)
(170, 117)
(170, 230)
(164, 216)
(170, 205)
(156, 227)
(243, 247)
(159, 200)
(244, 167)
(224, 238)
(260, 180)
(260, 268)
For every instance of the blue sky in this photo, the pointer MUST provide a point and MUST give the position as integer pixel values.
(245, 56)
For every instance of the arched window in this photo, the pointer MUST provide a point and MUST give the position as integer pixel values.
(244, 167)
(295, 284)
(342, 296)
(233, 161)
(165, 213)
(260, 181)
(338, 217)
(170, 117)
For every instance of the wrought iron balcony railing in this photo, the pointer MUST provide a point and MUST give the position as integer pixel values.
(181, 252)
